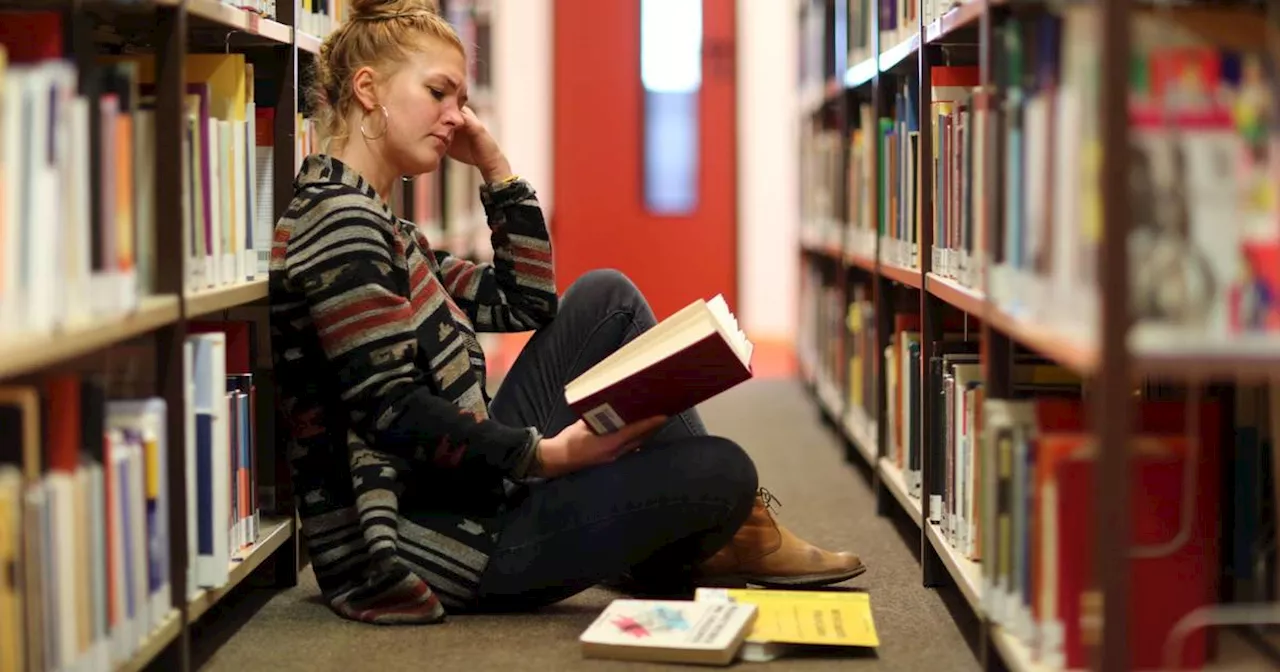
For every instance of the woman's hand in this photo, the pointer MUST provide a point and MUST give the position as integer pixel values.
(473, 145)
(577, 447)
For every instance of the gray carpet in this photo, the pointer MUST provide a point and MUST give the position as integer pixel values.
(823, 499)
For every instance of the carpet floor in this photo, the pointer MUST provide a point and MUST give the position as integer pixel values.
(822, 498)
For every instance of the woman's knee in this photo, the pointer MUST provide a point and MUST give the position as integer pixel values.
(721, 466)
(605, 287)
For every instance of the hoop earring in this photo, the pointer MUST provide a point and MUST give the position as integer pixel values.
(386, 121)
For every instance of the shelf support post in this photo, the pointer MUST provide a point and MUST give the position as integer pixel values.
(170, 120)
(1113, 402)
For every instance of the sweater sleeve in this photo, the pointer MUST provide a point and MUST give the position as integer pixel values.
(517, 291)
(343, 265)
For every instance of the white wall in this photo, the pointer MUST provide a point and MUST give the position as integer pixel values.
(768, 172)
(522, 78)
(768, 169)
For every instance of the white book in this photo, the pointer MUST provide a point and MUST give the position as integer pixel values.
(671, 631)
(212, 459)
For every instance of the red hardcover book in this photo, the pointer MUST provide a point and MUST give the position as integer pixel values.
(686, 359)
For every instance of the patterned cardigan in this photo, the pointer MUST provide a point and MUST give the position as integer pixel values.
(399, 473)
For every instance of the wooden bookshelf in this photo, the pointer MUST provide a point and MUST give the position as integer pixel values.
(155, 643)
(207, 301)
(274, 534)
(136, 352)
(891, 479)
(868, 163)
(25, 353)
(227, 16)
(307, 42)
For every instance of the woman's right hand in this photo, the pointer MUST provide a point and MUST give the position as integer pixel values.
(577, 447)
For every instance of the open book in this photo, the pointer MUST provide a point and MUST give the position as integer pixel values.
(682, 361)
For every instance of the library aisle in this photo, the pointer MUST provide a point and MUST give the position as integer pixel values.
(822, 498)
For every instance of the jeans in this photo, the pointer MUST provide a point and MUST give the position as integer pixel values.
(652, 514)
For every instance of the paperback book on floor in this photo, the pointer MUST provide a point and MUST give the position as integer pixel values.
(682, 361)
(791, 619)
(669, 631)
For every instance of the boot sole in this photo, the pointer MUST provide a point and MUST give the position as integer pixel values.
(784, 582)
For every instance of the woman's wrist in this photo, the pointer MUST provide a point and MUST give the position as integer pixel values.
(496, 171)
(547, 458)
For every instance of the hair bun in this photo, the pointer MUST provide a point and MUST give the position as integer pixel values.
(377, 9)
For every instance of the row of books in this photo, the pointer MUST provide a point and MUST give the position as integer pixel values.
(1203, 162)
(447, 208)
(85, 502)
(821, 323)
(83, 532)
(71, 259)
(1011, 489)
(319, 17)
(226, 232)
(1010, 481)
(473, 20)
(65, 258)
(264, 8)
(862, 29)
(812, 59)
(820, 171)
(898, 21)
(221, 410)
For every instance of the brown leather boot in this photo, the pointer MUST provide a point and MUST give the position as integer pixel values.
(765, 553)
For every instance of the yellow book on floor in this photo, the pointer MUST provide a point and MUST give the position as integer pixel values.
(787, 618)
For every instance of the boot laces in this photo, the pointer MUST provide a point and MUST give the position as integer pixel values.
(768, 499)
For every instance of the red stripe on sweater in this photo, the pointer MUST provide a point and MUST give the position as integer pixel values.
(461, 278)
(417, 274)
(330, 318)
(368, 322)
(533, 270)
(531, 253)
(451, 274)
(424, 291)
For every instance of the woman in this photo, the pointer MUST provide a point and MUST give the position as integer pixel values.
(416, 491)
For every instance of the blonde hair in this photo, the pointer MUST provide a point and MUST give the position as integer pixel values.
(376, 33)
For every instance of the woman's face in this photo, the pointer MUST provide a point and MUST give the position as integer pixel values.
(424, 99)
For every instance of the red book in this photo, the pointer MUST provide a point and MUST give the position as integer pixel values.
(684, 360)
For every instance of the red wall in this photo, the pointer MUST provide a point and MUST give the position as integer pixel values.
(599, 219)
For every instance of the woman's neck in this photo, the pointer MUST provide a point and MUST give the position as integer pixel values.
(375, 171)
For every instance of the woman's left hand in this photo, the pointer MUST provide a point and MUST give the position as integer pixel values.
(473, 145)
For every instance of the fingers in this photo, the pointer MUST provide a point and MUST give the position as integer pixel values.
(469, 117)
(638, 430)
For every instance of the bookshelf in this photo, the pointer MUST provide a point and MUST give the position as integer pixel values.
(1038, 309)
(132, 317)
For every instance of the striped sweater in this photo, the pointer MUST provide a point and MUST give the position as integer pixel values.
(399, 472)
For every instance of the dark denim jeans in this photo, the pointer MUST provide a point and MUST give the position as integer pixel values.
(652, 514)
